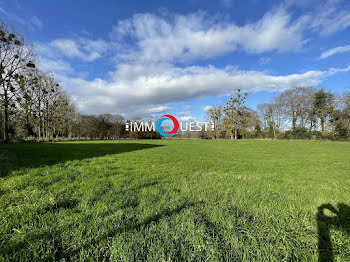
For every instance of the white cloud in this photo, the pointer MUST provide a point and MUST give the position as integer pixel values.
(51, 65)
(326, 18)
(143, 94)
(82, 48)
(14, 17)
(183, 113)
(275, 31)
(187, 119)
(199, 36)
(150, 38)
(336, 50)
(3, 11)
(147, 80)
(333, 71)
(329, 18)
(35, 21)
(187, 107)
(159, 109)
(265, 60)
(206, 108)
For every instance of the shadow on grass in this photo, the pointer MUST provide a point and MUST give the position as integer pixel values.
(130, 225)
(17, 156)
(328, 217)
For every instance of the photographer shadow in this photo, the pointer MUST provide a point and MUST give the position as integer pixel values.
(328, 217)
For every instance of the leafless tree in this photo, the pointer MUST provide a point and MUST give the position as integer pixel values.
(234, 113)
(14, 57)
(215, 115)
(297, 103)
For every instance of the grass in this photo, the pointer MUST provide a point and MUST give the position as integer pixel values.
(175, 200)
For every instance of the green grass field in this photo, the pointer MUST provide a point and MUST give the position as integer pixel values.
(175, 200)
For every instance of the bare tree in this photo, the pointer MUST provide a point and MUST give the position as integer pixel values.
(14, 57)
(297, 103)
(265, 114)
(214, 115)
(234, 112)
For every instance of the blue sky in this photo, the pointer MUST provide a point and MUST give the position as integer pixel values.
(143, 58)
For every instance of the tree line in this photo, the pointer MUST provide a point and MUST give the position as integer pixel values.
(34, 106)
(297, 113)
